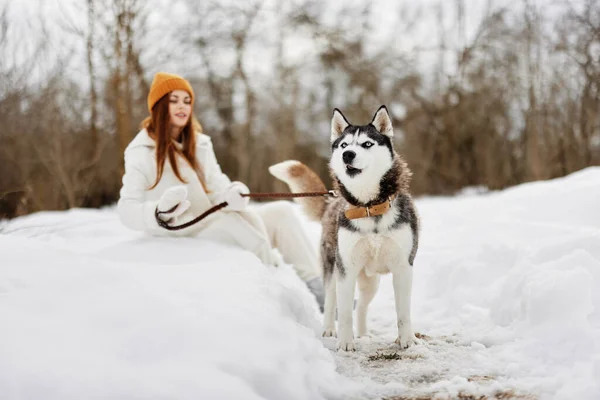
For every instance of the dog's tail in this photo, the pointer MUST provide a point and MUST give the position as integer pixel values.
(300, 178)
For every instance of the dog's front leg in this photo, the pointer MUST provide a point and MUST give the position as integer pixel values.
(402, 278)
(345, 300)
(329, 309)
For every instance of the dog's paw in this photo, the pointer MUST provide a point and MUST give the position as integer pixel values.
(406, 340)
(329, 332)
(346, 345)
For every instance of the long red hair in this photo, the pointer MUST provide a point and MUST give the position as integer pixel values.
(158, 126)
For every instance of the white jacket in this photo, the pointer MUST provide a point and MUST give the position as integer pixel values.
(137, 202)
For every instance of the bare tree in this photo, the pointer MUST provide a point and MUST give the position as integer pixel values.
(90, 62)
(531, 134)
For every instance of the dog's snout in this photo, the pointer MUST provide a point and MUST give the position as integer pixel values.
(348, 156)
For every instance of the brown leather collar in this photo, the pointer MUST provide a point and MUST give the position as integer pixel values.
(354, 212)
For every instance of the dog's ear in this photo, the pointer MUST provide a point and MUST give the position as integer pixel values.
(382, 122)
(338, 124)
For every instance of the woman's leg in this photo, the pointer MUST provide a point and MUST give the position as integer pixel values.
(287, 234)
(245, 230)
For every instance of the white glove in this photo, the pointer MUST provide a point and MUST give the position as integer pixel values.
(233, 196)
(172, 204)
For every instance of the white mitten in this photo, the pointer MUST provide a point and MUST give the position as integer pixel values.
(233, 196)
(172, 204)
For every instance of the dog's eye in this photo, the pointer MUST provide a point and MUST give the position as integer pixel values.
(366, 145)
(343, 145)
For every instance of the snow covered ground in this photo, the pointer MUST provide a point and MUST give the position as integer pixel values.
(506, 299)
(91, 310)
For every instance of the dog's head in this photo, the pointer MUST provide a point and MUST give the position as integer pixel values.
(361, 153)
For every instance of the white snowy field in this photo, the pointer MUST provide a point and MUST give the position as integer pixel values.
(505, 295)
(91, 310)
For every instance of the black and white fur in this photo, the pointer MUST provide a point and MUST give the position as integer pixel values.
(366, 170)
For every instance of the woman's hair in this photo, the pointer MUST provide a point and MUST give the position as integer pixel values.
(158, 125)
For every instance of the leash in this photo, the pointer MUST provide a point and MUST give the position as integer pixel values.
(329, 193)
(213, 209)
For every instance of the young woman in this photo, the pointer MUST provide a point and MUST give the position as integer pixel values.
(170, 166)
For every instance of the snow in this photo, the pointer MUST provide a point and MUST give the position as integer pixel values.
(505, 300)
(506, 290)
(92, 310)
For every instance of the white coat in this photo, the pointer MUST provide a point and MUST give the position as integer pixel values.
(137, 202)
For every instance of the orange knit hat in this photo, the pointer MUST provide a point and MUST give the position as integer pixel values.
(164, 83)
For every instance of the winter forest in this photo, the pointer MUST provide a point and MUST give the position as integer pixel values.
(493, 247)
(482, 93)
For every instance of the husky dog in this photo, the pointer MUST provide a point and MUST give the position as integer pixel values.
(371, 229)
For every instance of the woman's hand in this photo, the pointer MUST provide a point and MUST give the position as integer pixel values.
(172, 204)
(233, 196)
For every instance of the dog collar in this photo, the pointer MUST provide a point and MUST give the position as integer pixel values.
(377, 209)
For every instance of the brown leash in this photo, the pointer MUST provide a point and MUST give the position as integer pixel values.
(165, 225)
(329, 193)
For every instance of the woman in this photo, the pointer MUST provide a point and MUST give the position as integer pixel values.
(171, 173)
